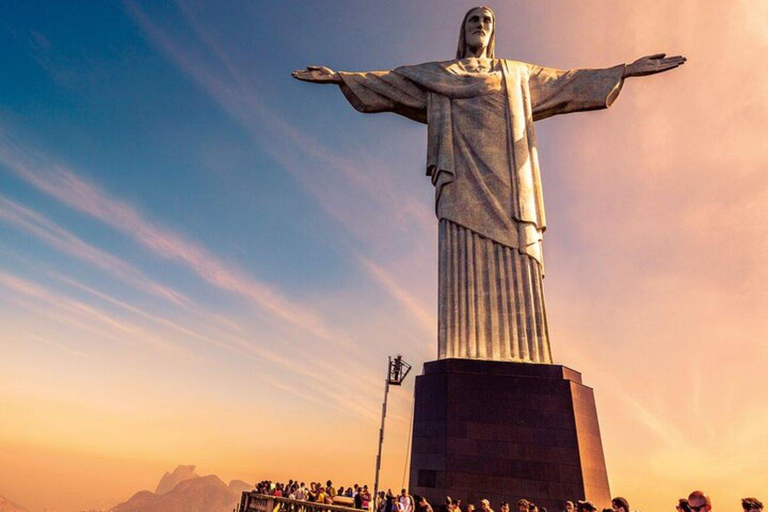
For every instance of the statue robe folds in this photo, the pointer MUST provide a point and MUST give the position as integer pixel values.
(483, 162)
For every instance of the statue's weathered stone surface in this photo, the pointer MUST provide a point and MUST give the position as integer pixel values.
(483, 161)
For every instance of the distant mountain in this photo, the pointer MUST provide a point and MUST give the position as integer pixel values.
(171, 480)
(200, 494)
(7, 505)
(239, 486)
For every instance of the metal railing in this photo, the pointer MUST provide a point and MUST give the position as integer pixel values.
(254, 502)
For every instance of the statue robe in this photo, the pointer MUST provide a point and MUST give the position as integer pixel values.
(483, 162)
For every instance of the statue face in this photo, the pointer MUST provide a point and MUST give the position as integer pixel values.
(478, 28)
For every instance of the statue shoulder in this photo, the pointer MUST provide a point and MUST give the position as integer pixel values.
(515, 68)
(427, 66)
(516, 65)
(447, 65)
(424, 72)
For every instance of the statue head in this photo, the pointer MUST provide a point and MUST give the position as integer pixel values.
(478, 32)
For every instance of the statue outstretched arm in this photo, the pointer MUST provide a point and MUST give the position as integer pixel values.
(652, 64)
(555, 91)
(317, 75)
(373, 91)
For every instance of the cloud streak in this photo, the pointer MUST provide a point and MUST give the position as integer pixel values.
(427, 321)
(61, 183)
(378, 205)
(58, 345)
(55, 236)
(281, 370)
(141, 312)
(86, 197)
(84, 314)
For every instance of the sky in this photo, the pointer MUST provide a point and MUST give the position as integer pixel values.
(203, 261)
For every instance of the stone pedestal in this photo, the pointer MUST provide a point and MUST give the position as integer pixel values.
(505, 431)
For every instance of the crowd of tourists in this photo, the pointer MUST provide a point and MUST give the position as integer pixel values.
(355, 496)
(697, 501)
(360, 497)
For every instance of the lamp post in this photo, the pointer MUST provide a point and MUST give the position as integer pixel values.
(397, 370)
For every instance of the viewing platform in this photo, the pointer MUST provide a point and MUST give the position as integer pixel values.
(252, 501)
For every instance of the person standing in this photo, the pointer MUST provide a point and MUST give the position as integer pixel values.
(406, 501)
(379, 503)
(698, 501)
(585, 506)
(751, 505)
(682, 505)
(390, 502)
(619, 504)
(321, 497)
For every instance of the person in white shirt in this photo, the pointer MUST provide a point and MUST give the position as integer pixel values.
(405, 502)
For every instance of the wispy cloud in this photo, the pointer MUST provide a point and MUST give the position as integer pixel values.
(61, 183)
(280, 372)
(57, 237)
(380, 205)
(330, 392)
(159, 320)
(240, 97)
(659, 425)
(86, 313)
(34, 223)
(410, 302)
(58, 345)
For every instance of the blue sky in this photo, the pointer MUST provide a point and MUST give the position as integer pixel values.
(109, 103)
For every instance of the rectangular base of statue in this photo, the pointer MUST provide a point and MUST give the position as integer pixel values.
(505, 431)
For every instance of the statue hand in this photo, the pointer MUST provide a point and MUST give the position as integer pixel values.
(317, 75)
(652, 64)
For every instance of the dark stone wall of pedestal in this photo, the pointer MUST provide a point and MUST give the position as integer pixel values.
(505, 431)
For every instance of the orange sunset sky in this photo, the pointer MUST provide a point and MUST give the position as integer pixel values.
(203, 261)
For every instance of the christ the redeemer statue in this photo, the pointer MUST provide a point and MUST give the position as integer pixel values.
(482, 159)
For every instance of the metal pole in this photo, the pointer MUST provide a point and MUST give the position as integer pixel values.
(381, 437)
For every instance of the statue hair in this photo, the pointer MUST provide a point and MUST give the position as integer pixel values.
(461, 51)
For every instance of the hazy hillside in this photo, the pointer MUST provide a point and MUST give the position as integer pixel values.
(200, 494)
(171, 480)
(239, 486)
